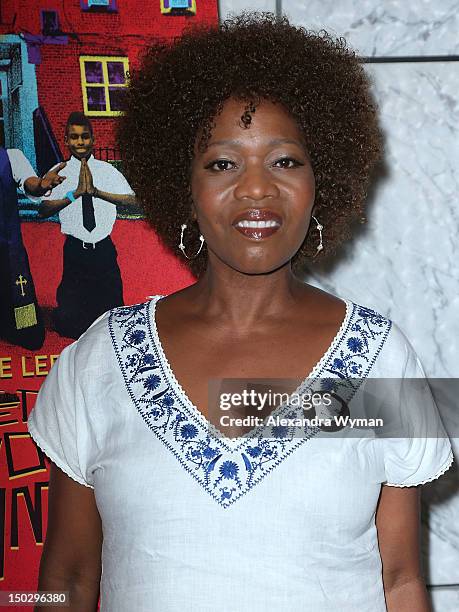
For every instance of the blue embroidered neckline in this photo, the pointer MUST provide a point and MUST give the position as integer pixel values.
(229, 468)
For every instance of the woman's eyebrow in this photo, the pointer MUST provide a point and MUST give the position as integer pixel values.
(271, 143)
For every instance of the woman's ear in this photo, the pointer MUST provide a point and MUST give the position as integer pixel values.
(194, 215)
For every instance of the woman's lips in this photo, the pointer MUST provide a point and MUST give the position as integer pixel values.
(257, 224)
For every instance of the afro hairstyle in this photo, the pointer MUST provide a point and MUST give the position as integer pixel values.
(180, 87)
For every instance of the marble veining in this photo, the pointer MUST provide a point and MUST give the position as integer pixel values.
(228, 7)
(404, 260)
(392, 27)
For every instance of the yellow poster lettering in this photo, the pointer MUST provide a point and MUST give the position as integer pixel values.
(5, 367)
(37, 365)
(41, 362)
(25, 371)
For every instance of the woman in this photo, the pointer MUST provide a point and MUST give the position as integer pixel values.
(250, 147)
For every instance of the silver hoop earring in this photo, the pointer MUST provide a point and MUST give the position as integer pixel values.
(319, 228)
(182, 246)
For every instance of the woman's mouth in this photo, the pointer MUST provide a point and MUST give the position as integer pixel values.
(257, 224)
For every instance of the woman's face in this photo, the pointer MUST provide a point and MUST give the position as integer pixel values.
(253, 189)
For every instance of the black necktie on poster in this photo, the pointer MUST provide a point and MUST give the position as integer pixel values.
(89, 220)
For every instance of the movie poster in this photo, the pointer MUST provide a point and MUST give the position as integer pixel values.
(63, 74)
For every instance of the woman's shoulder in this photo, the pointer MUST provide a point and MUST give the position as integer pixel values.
(368, 339)
(95, 346)
(355, 317)
(395, 352)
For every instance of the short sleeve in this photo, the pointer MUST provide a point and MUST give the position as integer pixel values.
(60, 420)
(21, 169)
(422, 451)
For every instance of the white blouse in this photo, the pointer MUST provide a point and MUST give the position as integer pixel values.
(196, 522)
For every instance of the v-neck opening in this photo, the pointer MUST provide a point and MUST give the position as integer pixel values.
(181, 393)
(229, 468)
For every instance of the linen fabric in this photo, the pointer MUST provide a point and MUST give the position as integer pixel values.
(198, 523)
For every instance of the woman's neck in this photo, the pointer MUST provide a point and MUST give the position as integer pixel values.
(246, 298)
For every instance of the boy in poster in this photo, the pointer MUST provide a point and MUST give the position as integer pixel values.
(86, 202)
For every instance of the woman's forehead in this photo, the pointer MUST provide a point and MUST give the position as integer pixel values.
(269, 121)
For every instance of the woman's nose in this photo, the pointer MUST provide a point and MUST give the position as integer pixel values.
(256, 183)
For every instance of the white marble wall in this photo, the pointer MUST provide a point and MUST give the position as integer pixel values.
(404, 262)
(226, 7)
(390, 27)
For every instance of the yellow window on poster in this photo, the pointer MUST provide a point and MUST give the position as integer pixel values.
(178, 7)
(103, 82)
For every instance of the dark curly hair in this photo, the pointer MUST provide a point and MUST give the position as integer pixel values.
(179, 88)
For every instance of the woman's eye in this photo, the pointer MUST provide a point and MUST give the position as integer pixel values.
(219, 165)
(287, 162)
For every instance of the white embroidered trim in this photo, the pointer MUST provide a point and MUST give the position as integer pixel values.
(224, 470)
(60, 464)
(445, 468)
(180, 391)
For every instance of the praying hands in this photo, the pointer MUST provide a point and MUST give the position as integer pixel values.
(85, 181)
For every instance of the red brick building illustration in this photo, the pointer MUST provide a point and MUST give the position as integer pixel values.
(57, 56)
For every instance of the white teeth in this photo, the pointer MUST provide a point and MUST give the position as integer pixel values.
(257, 224)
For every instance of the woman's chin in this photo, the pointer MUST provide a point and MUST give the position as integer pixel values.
(257, 267)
